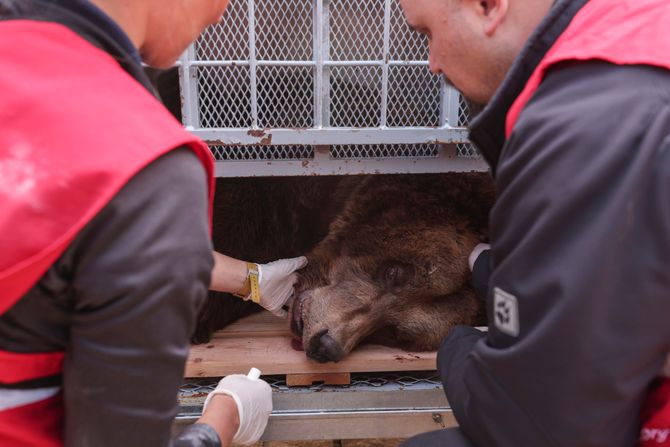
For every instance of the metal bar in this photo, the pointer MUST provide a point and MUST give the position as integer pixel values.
(325, 60)
(188, 83)
(349, 425)
(326, 166)
(318, 64)
(358, 424)
(325, 63)
(230, 63)
(377, 63)
(334, 135)
(385, 65)
(452, 101)
(253, 64)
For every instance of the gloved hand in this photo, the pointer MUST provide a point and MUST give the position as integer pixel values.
(474, 254)
(276, 280)
(253, 397)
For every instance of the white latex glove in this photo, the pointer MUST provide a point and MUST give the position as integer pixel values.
(253, 397)
(276, 280)
(476, 252)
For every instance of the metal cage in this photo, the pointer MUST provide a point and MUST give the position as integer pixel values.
(294, 87)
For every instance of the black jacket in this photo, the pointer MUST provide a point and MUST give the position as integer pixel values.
(122, 300)
(579, 296)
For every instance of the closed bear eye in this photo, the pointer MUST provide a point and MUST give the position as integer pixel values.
(397, 274)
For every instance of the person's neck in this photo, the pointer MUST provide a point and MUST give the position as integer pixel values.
(130, 15)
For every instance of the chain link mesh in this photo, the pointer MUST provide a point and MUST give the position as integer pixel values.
(372, 151)
(285, 97)
(405, 43)
(413, 97)
(356, 30)
(229, 39)
(193, 388)
(258, 153)
(284, 30)
(279, 82)
(224, 97)
(355, 96)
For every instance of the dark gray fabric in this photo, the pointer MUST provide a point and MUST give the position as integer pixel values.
(197, 435)
(487, 130)
(122, 303)
(450, 437)
(481, 274)
(13, 7)
(581, 238)
(122, 300)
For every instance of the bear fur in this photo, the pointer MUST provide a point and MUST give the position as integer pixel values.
(394, 266)
(387, 254)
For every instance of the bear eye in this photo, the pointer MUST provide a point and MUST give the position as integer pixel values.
(397, 274)
(392, 274)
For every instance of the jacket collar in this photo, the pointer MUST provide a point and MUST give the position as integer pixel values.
(487, 130)
(92, 24)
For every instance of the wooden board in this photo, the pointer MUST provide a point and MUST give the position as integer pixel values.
(263, 341)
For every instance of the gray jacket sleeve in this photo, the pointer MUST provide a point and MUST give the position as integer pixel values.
(579, 299)
(140, 271)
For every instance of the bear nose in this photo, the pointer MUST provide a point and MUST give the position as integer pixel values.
(327, 349)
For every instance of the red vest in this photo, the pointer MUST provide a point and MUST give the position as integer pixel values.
(621, 32)
(74, 129)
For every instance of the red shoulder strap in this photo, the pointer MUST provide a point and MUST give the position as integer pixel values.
(622, 32)
(74, 128)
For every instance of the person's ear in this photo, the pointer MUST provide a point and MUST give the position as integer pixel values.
(493, 13)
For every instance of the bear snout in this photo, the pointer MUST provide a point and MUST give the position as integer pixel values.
(323, 348)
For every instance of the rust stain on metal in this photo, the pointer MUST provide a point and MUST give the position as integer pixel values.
(266, 138)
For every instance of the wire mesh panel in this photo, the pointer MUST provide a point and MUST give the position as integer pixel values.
(285, 97)
(224, 97)
(355, 96)
(357, 30)
(284, 30)
(313, 86)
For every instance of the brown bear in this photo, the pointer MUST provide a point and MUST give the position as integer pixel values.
(388, 259)
(393, 268)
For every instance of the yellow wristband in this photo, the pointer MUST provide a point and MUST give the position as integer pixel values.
(251, 288)
(252, 275)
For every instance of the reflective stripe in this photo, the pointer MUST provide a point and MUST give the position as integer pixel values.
(17, 398)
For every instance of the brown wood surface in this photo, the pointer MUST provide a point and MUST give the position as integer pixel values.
(326, 378)
(263, 341)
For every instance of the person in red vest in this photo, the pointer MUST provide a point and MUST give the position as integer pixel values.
(575, 127)
(105, 250)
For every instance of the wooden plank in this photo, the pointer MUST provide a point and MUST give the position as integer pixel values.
(264, 341)
(262, 324)
(326, 378)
